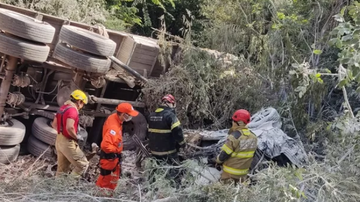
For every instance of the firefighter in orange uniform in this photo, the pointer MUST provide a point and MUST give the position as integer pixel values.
(112, 146)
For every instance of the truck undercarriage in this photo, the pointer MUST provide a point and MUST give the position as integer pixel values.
(44, 58)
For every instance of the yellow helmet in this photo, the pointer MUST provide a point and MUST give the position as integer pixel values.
(79, 95)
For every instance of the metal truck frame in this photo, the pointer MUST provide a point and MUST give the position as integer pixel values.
(44, 58)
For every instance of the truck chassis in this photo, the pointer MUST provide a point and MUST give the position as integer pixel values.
(44, 58)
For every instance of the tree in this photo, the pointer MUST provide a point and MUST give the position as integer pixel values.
(171, 16)
(123, 15)
(87, 11)
(347, 40)
(134, 12)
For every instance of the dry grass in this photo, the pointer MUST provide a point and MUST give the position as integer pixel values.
(316, 183)
(335, 177)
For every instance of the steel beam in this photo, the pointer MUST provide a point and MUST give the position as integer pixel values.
(127, 68)
(107, 101)
(6, 82)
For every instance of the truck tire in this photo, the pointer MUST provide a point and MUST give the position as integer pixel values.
(9, 154)
(87, 41)
(36, 148)
(26, 27)
(138, 126)
(24, 49)
(42, 130)
(82, 61)
(12, 133)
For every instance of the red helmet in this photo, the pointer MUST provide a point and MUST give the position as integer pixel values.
(241, 115)
(168, 98)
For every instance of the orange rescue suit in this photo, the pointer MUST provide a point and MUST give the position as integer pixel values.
(111, 147)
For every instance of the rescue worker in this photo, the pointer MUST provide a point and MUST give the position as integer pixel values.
(112, 146)
(165, 134)
(238, 151)
(66, 123)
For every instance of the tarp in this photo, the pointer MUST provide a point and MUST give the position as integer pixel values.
(204, 174)
(273, 141)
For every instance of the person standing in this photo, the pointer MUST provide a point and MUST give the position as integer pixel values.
(112, 146)
(238, 151)
(66, 123)
(165, 134)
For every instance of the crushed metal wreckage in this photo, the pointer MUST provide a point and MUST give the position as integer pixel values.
(273, 145)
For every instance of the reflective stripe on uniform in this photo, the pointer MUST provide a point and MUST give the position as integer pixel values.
(248, 154)
(226, 149)
(246, 131)
(176, 124)
(235, 171)
(163, 153)
(159, 110)
(182, 142)
(153, 130)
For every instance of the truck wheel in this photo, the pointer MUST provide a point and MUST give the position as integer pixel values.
(26, 27)
(87, 41)
(24, 49)
(42, 130)
(12, 133)
(9, 154)
(83, 61)
(36, 148)
(138, 126)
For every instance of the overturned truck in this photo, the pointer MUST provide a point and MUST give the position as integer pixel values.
(44, 58)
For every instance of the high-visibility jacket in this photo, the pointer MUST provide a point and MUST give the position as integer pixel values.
(165, 132)
(238, 152)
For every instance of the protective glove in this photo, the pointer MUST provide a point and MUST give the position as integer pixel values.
(94, 148)
(178, 147)
(218, 167)
(214, 162)
(211, 161)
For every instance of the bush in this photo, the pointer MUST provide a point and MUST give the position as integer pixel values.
(208, 89)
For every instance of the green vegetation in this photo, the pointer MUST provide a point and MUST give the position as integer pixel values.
(299, 56)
